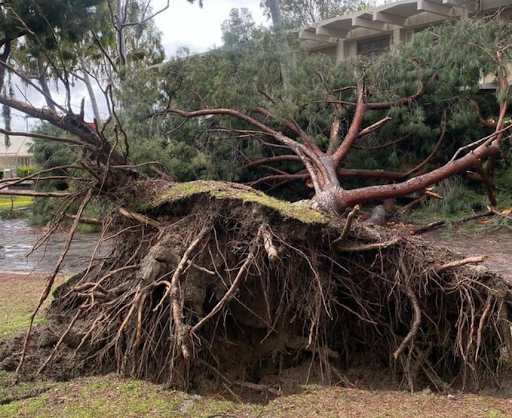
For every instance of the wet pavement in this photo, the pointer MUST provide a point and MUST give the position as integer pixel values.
(496, 246)
(17, 238)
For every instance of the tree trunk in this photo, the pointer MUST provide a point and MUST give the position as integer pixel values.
(90, 91)
(6, 44)
(121, 43)
(328, 191)
(41, 77)
(275, 12)
(282, 43)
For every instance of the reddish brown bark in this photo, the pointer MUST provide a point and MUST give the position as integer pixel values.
(324, 167)
(407, 187)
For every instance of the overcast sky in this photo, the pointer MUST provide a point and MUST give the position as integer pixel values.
(182, 24)
(185, 24)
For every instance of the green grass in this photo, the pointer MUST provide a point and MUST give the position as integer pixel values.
(107, 396)
(18, 298)
(458, 202)
(115, 397)
(15, 201)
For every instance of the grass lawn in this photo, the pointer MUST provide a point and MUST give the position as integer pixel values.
(18, 298)
(17, 201)
(112, 396)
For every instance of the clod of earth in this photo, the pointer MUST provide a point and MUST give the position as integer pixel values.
(225, 284)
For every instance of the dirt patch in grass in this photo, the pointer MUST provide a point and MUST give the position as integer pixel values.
(495, 245)
(112, 396)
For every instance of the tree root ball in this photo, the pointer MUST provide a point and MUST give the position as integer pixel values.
(232, 286)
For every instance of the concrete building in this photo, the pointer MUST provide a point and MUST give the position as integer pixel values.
(17, 154)
(371, 31)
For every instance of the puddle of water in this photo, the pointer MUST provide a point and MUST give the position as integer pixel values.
(17, 238)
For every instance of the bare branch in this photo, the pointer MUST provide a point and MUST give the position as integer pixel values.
(32, 194)
(374, 127)
(354, 129)
(146, 19)
(49, 137)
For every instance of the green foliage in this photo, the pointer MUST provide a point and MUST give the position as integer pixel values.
(239, 29)
(230, 77)
(45, 18)
(297, 13)
(458, 200)
(14, 214)
(461, 199)
(24, 171)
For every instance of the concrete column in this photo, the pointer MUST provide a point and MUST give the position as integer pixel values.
(397, 37)
(351, 49)
(340, 51)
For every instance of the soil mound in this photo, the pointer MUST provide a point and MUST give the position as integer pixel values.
(214, 281)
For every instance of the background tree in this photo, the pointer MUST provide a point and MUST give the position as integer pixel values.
(297, 13)
(49, 25)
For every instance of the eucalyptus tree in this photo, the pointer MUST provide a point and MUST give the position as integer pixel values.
(39, 30)
(297, 13)
(128, 14)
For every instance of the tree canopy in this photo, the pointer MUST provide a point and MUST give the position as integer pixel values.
(298, 13)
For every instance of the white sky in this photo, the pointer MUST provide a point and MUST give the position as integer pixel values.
(185, 24)
(182, 24)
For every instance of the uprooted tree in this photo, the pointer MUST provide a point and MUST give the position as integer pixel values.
(219, 280)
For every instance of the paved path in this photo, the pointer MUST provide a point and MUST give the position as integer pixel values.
(17, 238)
(497, 246)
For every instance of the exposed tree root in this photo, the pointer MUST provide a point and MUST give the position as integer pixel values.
(458, 263)
(232, 287)
(348, 224)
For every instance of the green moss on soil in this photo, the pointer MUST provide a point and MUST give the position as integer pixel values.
(220, 190)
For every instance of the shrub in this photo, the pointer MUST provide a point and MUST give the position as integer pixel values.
(24, 171)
